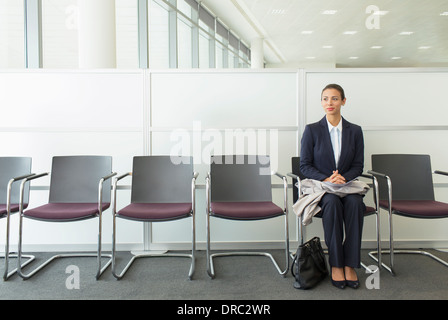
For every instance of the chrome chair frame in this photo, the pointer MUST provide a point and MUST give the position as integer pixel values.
(30, 258)
(192, 256)
(392, 250)
(99, 255)
(210, 267)
(377, 220)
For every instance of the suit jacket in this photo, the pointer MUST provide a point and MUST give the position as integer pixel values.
(317, 157)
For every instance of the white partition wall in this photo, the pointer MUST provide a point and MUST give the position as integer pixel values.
(199, 113)
(45, 114)
(203, 113)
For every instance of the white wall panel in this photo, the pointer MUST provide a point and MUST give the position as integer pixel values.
(46, 114)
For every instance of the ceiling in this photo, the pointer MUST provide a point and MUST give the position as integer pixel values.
(341, 33)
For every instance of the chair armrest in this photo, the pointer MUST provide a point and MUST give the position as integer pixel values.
(114, 190)
(109, 176)
(285, 189)
(193, 190)
(389, 186)
(24, 181)
(10, 183)
(292, 175)
(207, 193)
(444, 173)
(100, 190)
(377, 174)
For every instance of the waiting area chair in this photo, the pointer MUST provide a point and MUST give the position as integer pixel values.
(163, 190)
(80, 189)
(12, 171)
(297, 176)
(239, 188)
(407, 190)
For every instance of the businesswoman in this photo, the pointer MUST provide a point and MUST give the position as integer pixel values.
(333, 150)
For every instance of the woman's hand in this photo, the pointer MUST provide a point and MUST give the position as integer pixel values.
(336, 178)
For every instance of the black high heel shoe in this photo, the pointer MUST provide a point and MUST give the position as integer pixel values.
(338, 284)
(354, 284)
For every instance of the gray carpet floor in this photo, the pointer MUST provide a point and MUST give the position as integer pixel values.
(237, 278)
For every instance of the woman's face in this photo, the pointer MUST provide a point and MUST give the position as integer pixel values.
(332, 102)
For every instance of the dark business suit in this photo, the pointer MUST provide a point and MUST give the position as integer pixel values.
(317, 162)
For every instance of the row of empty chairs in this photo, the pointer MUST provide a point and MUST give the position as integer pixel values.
(163, 189)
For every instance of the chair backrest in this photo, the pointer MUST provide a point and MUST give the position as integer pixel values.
(295, 166)
(10, 168)
(161, 179)
(75, 179)
(240, 178)
(411, 176)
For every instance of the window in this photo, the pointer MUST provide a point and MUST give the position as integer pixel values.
(59, 34)
(12, 48)
(159, 45)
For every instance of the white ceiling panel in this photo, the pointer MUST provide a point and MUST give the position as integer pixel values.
(393, 33)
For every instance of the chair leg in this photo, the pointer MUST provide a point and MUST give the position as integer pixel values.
(391, 250)
(48, 261)
(192, 256)
(209, 257)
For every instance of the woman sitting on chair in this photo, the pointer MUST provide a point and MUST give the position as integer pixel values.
(333, 151)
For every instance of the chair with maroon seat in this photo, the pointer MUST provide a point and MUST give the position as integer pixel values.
(12, 171)
(80, 189)
(408, 191)
(163, 190)
(297, 176)
(239, 188)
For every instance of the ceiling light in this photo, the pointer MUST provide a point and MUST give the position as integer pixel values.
(444, 13)
(278, 11)
(327, 47)
(329, 11)
(406, 33)
(396, 58)
(307, 32)
(350, 32)
(424, 47)
(376, 47)
(310, 58)
(353, 58)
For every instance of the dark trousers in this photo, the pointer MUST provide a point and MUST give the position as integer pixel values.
(339, 215)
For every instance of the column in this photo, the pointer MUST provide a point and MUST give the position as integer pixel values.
(257, 53)
(97, 39)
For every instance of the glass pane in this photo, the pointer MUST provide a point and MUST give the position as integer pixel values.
(204, 50)
(60, 33)
(184, 44)
(12, 47)
(159, 47)
(126, 17)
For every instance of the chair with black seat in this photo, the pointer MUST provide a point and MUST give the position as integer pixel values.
(239, 188)
(163, 190)
(80, 189)
(297, 176)
(12, 171)
(407, 190)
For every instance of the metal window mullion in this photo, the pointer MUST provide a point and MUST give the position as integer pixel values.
(195, 39)
(33, 33)
(143, 33)
(172, 34)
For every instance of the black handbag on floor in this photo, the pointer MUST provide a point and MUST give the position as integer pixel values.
(309, 266)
